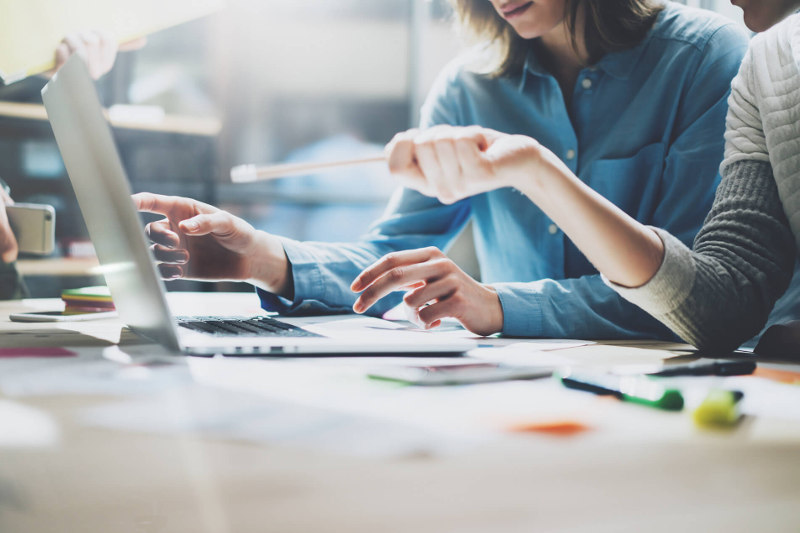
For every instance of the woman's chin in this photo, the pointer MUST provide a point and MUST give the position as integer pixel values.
(762, 21)
(757, 23)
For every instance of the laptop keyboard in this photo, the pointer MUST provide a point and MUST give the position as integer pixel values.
(261, 326)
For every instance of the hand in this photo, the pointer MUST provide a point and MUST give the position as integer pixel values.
(8, 243)
(98, 49)
(452, 163)
(438, 289)
(199, 241)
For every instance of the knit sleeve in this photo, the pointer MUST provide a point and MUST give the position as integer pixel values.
(720, 294)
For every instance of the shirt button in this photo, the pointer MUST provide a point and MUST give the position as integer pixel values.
(570, 155)
(552, 229)
(586, 83)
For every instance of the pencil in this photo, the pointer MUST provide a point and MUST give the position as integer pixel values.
(248, 173)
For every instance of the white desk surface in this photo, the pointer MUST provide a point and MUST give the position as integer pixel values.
(635, 469)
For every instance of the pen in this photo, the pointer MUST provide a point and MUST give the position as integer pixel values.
(704, 367)
(248, 173)
(636, 389)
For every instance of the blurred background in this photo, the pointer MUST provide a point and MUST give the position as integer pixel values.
(261, 81)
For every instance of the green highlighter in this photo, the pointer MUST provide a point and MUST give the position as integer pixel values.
(636, 389)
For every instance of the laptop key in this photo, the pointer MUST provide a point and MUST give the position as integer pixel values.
(259, 326)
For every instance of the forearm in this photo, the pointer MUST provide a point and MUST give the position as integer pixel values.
(321, 274)
(624, 250)
(583, 308)
(721, 294)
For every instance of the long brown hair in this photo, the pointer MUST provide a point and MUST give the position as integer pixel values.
(609, 25)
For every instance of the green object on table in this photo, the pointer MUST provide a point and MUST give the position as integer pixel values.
(636, 389)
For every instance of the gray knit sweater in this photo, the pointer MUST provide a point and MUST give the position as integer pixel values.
(720, 294)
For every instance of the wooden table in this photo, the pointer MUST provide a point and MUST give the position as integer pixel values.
(666, 477)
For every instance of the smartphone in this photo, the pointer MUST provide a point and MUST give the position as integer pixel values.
(60, 316)
(459, 373)
(34, 226)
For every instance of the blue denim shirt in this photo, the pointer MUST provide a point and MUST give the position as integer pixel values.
(644, 128)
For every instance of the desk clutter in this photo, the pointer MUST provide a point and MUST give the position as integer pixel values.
(87, 299)
(120, 420)
(505, 389)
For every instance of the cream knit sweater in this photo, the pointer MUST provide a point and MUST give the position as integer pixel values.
(720, 294)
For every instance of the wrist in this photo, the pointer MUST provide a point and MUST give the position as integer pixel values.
(494, 323)
(542, 169)
(269, 268)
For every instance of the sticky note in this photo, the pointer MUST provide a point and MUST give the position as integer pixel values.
(561, 428)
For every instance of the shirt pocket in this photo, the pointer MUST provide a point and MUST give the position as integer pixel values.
(632, 183)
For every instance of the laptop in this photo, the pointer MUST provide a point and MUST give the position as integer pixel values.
(94, 167)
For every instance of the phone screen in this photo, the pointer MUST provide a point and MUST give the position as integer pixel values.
(460, 373)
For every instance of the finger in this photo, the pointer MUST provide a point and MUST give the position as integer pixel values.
(62, 54)
(450, 183)
(489, 136)
(173, 256)
(401, 137)
(164, 205)
(447, 308)
(412, 315)
(160, 233)
(436, 290)
(153, 203)
(219, 223)
(401, 158)
(75, 46)
(9, 249)
(469, 149)
(91, 42)
(107, 51)
(135, 44)
(168, 271)
(390, 261)
(427, 159)
(8, 243)
(396, 279)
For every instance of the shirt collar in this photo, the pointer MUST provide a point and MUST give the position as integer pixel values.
(622, 64)
(533, 66)
(617, 64)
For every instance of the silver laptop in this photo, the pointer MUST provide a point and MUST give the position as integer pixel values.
(101, 186)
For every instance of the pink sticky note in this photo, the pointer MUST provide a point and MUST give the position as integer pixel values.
(36, 352)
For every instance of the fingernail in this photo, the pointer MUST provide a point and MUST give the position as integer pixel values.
(358, 307)
(190, 225)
